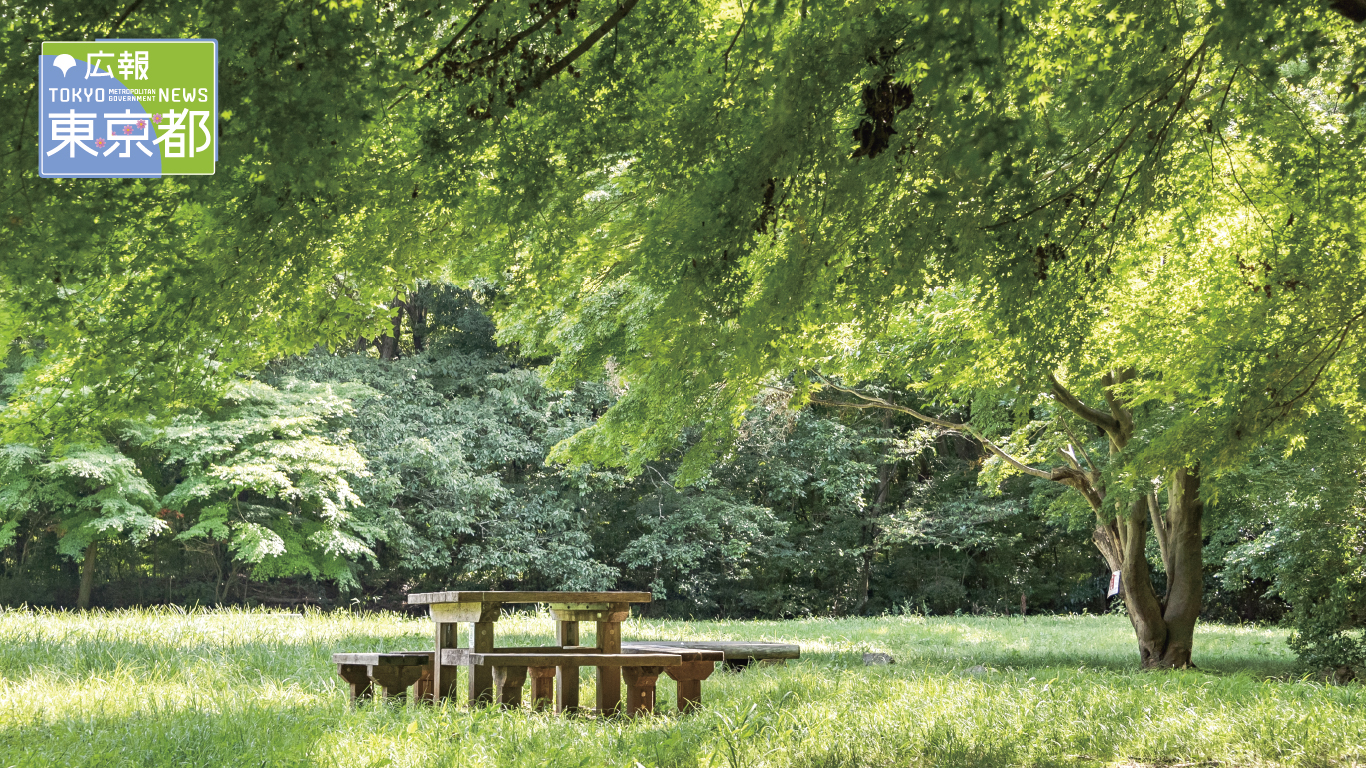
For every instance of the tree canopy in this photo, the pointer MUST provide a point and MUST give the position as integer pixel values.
(1122, 239)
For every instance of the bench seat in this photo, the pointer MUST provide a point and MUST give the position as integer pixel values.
(391, 672)
(737, 655)
(698, 664)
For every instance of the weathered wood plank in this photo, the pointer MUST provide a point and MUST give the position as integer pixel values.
(444, 678)
(732, 650)
(466, 613)
(688, 654)
(399, 659)
(608, 690)
(480, 675)
(427, 598)
(466, 657)
(567, 675)
(617, 612)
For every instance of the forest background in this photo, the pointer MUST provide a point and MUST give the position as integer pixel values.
(771, 309)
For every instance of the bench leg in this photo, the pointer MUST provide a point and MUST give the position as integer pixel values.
(566, 677)
(543, 687)
(394, 680)
(423, 690)
(508, 681)
(609, 678)
(359, 679)
(640, 689)
(689, 676)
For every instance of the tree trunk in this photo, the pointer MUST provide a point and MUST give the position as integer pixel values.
(1165, 627)
(87, 578)
(869, 531)
(417, 320)
(388, 344)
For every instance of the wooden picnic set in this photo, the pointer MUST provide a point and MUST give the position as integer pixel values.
(496, 674)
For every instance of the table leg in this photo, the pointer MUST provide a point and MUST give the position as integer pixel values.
(566, 677)
(609, 678)
(481, 675)
(444, 680)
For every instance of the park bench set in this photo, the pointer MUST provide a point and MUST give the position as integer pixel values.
(497, 674)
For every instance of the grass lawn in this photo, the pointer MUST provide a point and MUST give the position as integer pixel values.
(230, 688)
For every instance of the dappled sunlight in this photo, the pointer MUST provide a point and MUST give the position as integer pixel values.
(233, 688)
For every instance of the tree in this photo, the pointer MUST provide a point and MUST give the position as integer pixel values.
(1072, 173)
(264, 485)
(86, 492)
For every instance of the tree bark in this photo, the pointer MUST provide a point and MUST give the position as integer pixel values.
(388, 343)
(87, 578)
(417, 320)
(1186, 576)
(1164, 627)
(868, 535)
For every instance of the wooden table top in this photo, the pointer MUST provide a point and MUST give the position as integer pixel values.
(428, 598)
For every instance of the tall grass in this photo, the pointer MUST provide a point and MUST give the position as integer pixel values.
(244, 688)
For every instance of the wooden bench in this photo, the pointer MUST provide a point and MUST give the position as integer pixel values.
(698, 664)
(511, 666)
(392, 673)
(738, 655)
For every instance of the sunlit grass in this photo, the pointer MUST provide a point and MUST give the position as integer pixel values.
(231, 687)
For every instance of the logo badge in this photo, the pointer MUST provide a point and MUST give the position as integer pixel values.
(128, 108)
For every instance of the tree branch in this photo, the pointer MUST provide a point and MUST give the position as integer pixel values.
(1094, 415)
(550, 13)
(588, 42)
(1160, 529)
(458, 35)
(1080, 446)
(1121, 414)
(986, 443)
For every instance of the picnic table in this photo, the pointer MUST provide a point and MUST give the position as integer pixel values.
(497, 673)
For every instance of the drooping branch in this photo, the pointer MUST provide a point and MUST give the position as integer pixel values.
(1072, 476)
(964, 427)
(511, 43)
